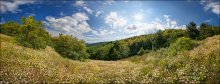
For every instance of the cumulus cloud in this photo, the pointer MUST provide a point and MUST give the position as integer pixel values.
(13, 6)
(82, 4)
(209, 20)
(139, 29)
(98, 13)
(103, 32)
(115, 20)
(109, 2)
(88, 9)
(214, 6)
(157, 24)
(74, 25)
(138, 16)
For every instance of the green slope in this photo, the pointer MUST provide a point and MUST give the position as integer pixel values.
(25, 65)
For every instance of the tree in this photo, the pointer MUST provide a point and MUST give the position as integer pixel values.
(182, 44)
(158, 41)
(119, 50)
(193, 33)
(141, 51)
(70, 47)
(114, 54)
(32, 34)
(10, 28)
(207, 30)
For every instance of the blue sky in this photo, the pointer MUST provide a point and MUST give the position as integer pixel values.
(97, 21)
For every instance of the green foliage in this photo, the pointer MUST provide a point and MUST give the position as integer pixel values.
(10, 28)
(114, 54)
(207, 30)
(131, 46)
(172, 34)
(70, 47)
(182, 44)
(199, 65)
(158, 41)
(32, 34)
(119, 50)
(192, 31)
(109, 51)
(102, 52)
(141, 51)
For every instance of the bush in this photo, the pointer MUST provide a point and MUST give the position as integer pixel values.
(182, 44)
(70, 47)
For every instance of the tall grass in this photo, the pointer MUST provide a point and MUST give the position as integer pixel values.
(25, 65)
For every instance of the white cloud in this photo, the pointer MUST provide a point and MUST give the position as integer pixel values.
(169, 23)
(173, 24)
(138, 16)
(98, 13)
(82, 4)
(103, 32)
(166, 16)
(209, 20)
(12, 6)
(139, 29)
(109, 2)
(115, 20)
(88, 9)
(211, 5)
(125, 1)
(74, 25)
(157, 19)
(157, 24)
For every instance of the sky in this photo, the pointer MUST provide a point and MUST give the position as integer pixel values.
(109, 20)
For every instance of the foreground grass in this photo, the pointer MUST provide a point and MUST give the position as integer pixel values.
(24, 65)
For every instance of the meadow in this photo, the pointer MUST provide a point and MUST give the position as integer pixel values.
(26, 65)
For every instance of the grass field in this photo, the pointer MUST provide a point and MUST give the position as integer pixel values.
(25, 65)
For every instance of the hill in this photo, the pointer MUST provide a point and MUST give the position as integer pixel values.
(25, 65)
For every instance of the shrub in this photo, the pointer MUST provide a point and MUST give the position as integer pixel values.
(181, 44)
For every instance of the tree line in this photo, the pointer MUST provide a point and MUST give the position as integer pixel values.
(31, 33)
(139, 45)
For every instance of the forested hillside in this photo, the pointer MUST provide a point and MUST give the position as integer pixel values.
(143, 44)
